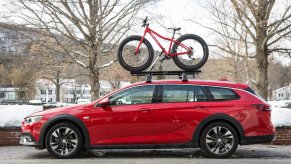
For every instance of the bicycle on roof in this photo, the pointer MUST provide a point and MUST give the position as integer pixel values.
(189, 52)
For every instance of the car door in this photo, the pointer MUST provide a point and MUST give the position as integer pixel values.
(127, 120)
(178, 113)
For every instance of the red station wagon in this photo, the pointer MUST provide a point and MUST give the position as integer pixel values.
(215, 116)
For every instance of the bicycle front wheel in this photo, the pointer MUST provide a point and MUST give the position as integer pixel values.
(128, 58)
(197, 52)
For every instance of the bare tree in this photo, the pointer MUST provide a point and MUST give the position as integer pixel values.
(87, 31)
(115, 75)
(255, 24)
(231, 41)
(52, 65)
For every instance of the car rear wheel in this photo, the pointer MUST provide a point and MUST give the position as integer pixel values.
(219, 140)
(64, 140)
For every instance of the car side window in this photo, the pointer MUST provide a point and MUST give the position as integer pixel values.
(200, 94)
(221, 94)
(177, 93)
(135, 95)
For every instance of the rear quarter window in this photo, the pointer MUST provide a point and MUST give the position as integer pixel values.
(249, 89)
(222, 94)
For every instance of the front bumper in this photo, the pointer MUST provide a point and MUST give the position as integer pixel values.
(28, 140)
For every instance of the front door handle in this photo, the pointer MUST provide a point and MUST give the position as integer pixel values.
(144, 110)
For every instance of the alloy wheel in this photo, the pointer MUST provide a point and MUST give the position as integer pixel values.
(63, 140)
(219, 140)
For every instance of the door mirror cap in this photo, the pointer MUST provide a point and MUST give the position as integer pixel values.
(104, 102)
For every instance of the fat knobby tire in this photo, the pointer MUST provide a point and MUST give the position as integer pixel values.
(142, 67)
(205, 52)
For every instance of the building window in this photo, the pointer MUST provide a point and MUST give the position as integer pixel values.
(43, 92)
(85, 91)
(2, 94)
(50, 100)
(50, 92)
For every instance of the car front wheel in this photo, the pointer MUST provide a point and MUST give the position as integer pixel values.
(64, 140)
(219, 140)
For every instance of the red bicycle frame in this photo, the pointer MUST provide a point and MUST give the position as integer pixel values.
(168, 53)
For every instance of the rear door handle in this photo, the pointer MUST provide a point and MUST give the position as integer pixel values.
(144, 110)
(198, 106)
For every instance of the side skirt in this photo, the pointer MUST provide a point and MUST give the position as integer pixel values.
(144, 146)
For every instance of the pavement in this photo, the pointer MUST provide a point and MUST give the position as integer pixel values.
(251, 154)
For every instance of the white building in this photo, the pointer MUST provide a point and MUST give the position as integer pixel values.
(283, 93)
(70, 91)
(8, 93)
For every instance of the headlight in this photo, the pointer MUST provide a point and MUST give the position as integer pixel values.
(32, 119)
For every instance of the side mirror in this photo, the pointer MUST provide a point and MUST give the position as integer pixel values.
(104, 102)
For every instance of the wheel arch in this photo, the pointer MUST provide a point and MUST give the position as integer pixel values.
(220, 117)
(61, 119)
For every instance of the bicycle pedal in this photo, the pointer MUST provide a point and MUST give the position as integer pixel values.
(164, 58)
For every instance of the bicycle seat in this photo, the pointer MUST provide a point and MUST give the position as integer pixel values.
(175, 29)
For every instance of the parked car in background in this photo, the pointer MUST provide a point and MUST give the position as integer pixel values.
(83, 101)
(54, 105)
(215, 116)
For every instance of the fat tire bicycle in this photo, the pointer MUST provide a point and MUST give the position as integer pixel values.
(189, 52)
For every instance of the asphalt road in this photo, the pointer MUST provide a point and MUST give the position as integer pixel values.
(254, 154)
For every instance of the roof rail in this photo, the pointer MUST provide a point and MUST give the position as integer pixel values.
(181, 74)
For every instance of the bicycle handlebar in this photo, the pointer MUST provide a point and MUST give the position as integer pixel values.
(145, 22)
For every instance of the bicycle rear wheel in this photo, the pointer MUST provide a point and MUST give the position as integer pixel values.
(196, 57)
(131, 61)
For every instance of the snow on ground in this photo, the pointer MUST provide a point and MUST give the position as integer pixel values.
(281, 116)
(12, 115)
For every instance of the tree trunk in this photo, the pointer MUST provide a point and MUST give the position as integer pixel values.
(261, 84)
(58, 88)
(262, 64)
(236, 68)
(95, 86)
(262, 77)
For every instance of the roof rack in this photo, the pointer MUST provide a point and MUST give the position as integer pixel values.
(181, 74)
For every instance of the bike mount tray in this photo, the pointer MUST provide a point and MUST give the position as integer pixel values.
(181, 74)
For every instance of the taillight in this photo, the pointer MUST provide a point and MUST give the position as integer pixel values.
(261, 107)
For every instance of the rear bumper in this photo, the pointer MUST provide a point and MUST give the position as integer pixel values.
(257, 139)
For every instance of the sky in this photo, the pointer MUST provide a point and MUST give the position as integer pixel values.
(176, 13)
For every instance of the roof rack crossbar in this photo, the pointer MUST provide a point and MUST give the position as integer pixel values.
(181, 74)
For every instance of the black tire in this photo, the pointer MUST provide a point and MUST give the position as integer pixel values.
(204, 49)
(76, 136)
(129, 67)
(223, 143)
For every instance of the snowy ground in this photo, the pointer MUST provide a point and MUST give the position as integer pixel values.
(281, 116)
(12, 115)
